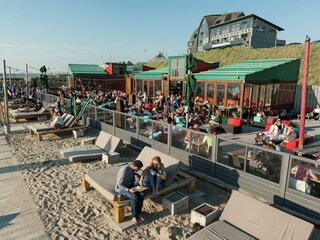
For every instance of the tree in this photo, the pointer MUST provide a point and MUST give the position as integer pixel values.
(44, 78)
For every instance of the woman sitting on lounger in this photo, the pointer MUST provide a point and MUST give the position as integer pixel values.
(156, 174)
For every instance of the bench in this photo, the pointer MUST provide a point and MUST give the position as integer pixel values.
(104, 180)
(294, 143)
(234, 125)
(245, 217)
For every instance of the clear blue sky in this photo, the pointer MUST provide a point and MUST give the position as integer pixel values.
(58, 32)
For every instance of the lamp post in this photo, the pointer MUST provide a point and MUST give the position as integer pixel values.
(5, 99)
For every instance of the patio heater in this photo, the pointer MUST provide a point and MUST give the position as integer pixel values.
(304, 91)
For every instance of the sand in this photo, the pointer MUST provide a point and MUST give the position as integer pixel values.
(69, 213)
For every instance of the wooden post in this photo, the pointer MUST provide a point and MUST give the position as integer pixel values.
(119, 214)
(85, 184)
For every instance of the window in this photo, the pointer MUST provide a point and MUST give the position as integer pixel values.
(200, 89)
(220, 94)
(139, 85)
(233, 94)
(244, 25)
(210, 92)
(177, 67)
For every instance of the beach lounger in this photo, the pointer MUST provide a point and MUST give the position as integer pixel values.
(104, 144)
(42, 129)
(16, 114)
(104, 180)
(21, 105)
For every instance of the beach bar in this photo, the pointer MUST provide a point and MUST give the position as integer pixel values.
(251, 85)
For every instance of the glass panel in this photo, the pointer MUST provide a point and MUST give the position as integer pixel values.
(233, 95)
(151, 92)
(139, 85)
(157, 85)
(231, 154)
(262, 95)
(181, 62)
(131, 123)
(120, 120)
(176, 87)
(201, 144)
(108, 117)
(145, 126)
(275, 97)
(254, 101)
(159, 132)
(220, 94)
(268, 95)
(180, 138)
(145, 86)
(246, 95)
(200, 89)
(89, 112)
(210, 93)
(264, 163)
(305, 177)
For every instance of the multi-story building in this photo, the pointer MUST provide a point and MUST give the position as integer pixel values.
(234, 29)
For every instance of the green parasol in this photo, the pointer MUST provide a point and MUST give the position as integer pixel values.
(191, 81)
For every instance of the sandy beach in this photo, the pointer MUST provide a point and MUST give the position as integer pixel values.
(69, 213)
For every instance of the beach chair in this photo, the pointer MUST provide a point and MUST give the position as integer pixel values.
(21, 105)
(42, 129)
(105, 143)
(25, 114)
(104, 180)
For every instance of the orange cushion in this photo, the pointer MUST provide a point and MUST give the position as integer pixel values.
(271, 120)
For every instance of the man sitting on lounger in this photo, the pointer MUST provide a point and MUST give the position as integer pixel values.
(125, 186)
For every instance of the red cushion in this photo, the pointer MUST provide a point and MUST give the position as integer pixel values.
(295, 143)
(270, 120)
(267, 128)
(235, 121)
(147, 105)
(284, 122)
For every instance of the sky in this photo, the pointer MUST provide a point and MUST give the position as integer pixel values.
(58, 32)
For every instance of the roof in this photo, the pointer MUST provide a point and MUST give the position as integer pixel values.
(245, 17)
(253, 71)
(85, 70)
(156, 73)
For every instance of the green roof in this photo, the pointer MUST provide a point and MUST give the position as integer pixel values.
(156, 73)
(85, 70)
(283, 70)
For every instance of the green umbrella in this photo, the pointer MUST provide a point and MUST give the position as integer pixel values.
(191, 81)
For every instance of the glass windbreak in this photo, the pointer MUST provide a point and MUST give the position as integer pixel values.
(90, 112)
(305, 177)
(268, 95)
(264, 163)
(159, 132)
(262, 95)
(276, 93)
(231, 154)
(180, 138)
(107, 116)
(201, 144)
(254, 100)
(246, 96)
(120, 120)
(131, 123)
(145, 127)
(157, 85)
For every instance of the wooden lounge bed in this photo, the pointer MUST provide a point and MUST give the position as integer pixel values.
(105, 143)
(21, 105)
(104, 180)
(42, 129)
(16, 114)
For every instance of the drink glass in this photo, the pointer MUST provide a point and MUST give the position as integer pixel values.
(118, 197)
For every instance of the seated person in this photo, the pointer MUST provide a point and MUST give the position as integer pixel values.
(261, 115)
(304, 173)
(216, 119)
(58, 123)
(38, 106)
(156, 173)
(289, 133)
(274, 130)
(125, 186)
(316, 112)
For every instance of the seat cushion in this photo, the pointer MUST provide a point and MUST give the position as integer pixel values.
(171, 164)
(221, 230)
(262, 220)
(104, 181)
(81, 153)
